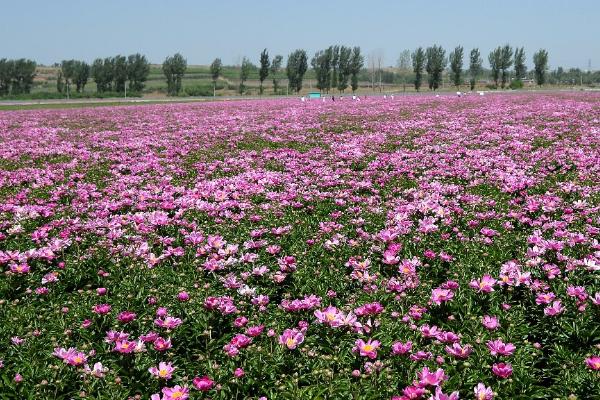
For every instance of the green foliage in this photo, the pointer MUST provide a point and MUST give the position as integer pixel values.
(297, 64)
(540, 60)
(335, 64)
(274, 70)
(520, 67)
(356, 63)
(244, 73)
(321, 64)
(138, 70)
(516, 84)
(16, 76)
(102, 73)
(475, 66)
(506, 62)
(418, 62)
(264, 68)
(174, 68)
(436, 62)
(215, 69)
(495, 60)
(120, 73)
(456, 63)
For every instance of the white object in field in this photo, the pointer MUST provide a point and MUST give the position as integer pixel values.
(392, 96)
(323, 99)
(303, 99)
(481, 93)
(353, 97)
(437, 95)
(458, 94)
(385, 96)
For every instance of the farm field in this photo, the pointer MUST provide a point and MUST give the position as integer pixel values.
(407, 248)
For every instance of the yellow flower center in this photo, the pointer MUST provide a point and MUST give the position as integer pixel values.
(177, 395)
(290, 342)
(368, 347)
(162, 373)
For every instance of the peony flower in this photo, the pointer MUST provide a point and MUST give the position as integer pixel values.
(503, 370)
(168, 322)
(439, 395)
(593, 363)
(176, 393)
(291, 338)
(482, 392)
(203, 384)
(490, 323)
(368, 349)
(101, 309)
(498, 347)
(484, 285)
(459, 351)
(98, 370)
(428, 378)
(399, 348)
(161, 344)
(439, 295)
(164, 370)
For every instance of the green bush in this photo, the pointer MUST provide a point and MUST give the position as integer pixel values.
(491, 86)
(75, 95)
(516, 84)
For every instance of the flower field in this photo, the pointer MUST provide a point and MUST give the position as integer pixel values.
(407, 248)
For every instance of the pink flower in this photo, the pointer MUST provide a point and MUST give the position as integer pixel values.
(498, 347)
(329, 316)
(98, 370)
(291, 338)
(21, 269)
(168, 322)
(368, 349)
(484, 285)
(439, 295)
(161, 344)
(125, 346)
(428, 378)
(439, 395)
(176, 393)
(238, 373)
(164, 370)
(399, 348)
(126, 316)
(503, 370)
(412, 392)
(183, 296)
(490, 323)
(18, 378)
(593, 363)
(483, 393)
(459, 351)
(555, 309)
(101, 309)
(203, 384)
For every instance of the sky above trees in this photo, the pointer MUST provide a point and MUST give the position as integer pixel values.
(51, 31)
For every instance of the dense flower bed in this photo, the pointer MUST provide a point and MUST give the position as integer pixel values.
(405, 248)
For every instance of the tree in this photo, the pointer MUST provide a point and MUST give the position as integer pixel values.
(495, 60)
(520, 68)
(138, 70)
(540, 61)
(23, 72)
(274, 70)
(60, 83)
(6, 74)
(403, 62)
(456, 63)
(120, 73)
(244, 73)
(356, 63)
(344, 68)
(335, 63)
(321, 64)
(81, 75)
(264, 68)
(475, 66)
(297, 64)
(436, 62)
(174, 68)
(418, 62)
(506, 62)
(102, 74)
(215, 72)
(67, 68)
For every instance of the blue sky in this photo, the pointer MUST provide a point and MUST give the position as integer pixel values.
(49, 31)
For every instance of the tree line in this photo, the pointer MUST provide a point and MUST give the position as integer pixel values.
(16, 76)
(433, 60)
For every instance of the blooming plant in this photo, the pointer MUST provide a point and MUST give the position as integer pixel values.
(409, 248)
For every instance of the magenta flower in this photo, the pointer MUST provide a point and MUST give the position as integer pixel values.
(176, 393)
(428, 378)
(367, 349)
(555, 309)
(164, 370)
(203, 384)
(483, 285)
(459, 351)
(439, 295)
(483, 392)
(329, 316)
(101, 309)
(503, 370)
(161, 344)
(168, 322)
(399, 348)
(126, 316)
(498, 347)
(439, 395)
(98, 370)
(291, 338)
(593, 363)
(490, 323)
(125, 346)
